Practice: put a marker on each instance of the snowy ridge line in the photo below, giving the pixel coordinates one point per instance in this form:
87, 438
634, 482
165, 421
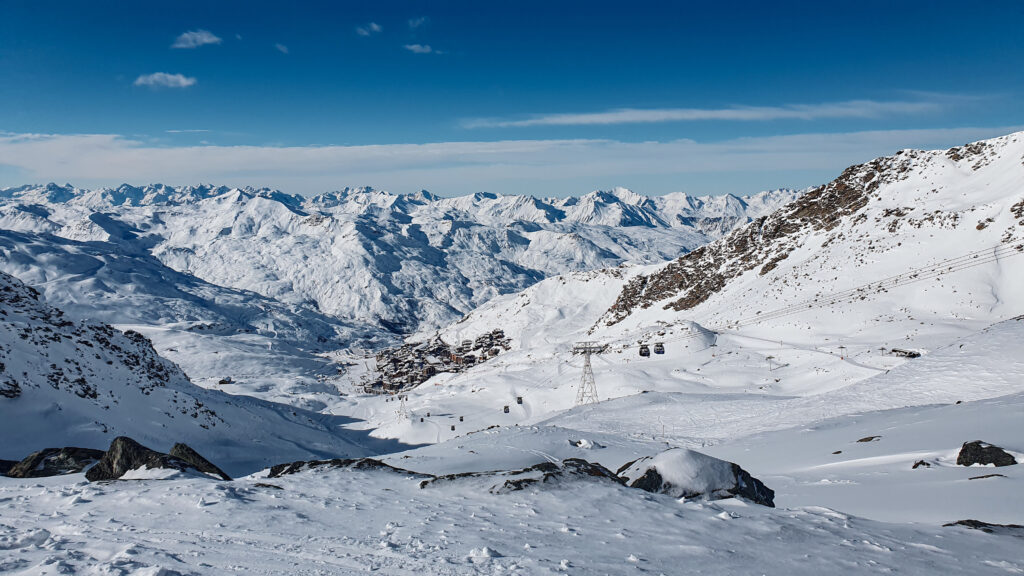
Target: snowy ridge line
988, 255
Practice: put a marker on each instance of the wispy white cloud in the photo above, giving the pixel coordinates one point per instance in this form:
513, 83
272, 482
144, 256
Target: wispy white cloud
418, 22
165, 80
195, 39
369, 29
848, 109
281, 48
536, 166
420, 49
186, 131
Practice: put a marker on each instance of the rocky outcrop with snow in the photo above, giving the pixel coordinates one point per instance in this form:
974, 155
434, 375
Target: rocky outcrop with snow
126, 456
889, 215
683, 473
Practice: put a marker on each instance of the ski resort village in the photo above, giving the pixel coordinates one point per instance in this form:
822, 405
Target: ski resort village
809, 361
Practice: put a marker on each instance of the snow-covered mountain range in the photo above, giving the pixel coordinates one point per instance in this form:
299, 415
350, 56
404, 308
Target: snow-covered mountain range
216, 276
843, 348
403, 262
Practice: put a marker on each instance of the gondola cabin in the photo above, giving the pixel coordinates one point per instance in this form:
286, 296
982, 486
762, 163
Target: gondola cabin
659, 348
645, 350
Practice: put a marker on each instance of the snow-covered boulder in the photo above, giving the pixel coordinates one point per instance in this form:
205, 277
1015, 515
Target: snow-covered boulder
683, 473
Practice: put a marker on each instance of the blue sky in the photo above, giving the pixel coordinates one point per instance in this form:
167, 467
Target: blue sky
545, 98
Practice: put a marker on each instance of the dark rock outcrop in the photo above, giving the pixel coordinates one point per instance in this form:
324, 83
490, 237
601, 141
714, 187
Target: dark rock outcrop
984, 476
354, 464
1009, 529
761, 244
126, 454
9, 388
185, 453
54, 462
6, 465
538, 475
979, 452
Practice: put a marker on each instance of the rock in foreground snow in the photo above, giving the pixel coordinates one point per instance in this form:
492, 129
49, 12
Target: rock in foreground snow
185, 453
543, 474
126, 455
683, 473
55, 461
979, 452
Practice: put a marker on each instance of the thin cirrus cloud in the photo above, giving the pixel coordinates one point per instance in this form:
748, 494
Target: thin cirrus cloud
195, 39
281, 48
369, 29
420, 49
165, 80
507, 166
848, 109
418, 22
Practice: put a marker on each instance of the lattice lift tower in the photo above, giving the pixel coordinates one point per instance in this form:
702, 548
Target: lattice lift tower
587, 394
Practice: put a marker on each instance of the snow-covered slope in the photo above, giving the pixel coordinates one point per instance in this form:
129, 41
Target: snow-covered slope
349, 521
265, 347
66, 382
403, 262
874, 223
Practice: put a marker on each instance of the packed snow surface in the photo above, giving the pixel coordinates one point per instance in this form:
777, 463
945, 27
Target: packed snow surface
351, 522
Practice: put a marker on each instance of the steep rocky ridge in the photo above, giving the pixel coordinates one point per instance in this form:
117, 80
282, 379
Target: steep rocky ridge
895, 196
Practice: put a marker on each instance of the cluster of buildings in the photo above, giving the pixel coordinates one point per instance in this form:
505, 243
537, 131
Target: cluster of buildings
409, 365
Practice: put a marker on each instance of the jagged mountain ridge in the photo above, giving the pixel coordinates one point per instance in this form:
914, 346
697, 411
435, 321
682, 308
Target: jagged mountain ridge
405, 262
68, 381
865, 216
